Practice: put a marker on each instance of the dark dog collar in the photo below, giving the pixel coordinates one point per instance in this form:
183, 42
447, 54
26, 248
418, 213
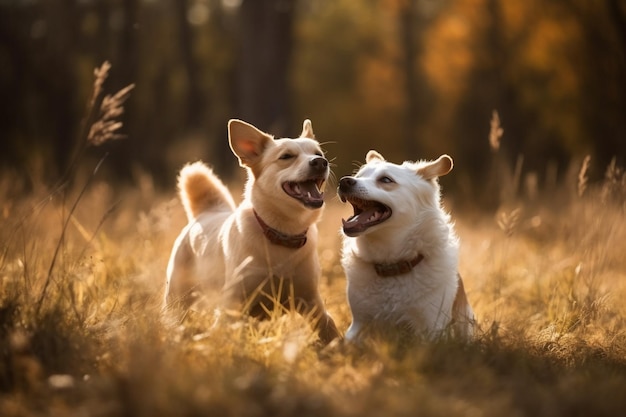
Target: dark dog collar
278, 238
398, 268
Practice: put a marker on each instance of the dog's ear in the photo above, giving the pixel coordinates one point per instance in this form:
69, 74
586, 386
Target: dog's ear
307, 130
440, 167
373, 156
247, 142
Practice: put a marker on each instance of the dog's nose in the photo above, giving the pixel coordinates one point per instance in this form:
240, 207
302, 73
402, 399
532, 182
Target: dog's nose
345, 183
318, 163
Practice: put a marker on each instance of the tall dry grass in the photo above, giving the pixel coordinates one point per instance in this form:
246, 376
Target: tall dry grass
87, 337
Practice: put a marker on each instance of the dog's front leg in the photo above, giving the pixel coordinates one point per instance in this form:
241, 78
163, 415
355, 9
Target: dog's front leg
352, 334
260, 299
322, 322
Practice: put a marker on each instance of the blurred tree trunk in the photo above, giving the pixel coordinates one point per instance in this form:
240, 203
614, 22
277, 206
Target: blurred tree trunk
129, 57
103, 34
500, 185
617, 13
61, 99
412, 22
264, 63
488, 90
125, 70
407, 25
223, 28
195, 102
603, 77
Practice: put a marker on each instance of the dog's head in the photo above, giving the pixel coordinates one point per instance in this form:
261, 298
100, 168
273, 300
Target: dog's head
383, 192
295, 167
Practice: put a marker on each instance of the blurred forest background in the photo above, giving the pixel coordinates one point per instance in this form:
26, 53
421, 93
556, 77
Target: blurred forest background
411, 78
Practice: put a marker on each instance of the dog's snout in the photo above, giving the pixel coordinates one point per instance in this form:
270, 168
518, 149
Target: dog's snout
345, 183
318, 163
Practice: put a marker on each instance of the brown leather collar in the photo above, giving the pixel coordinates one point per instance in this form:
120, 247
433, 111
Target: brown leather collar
397, 268
278, 238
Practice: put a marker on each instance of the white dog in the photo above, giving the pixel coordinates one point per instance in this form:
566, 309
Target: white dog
263, 251
400, 253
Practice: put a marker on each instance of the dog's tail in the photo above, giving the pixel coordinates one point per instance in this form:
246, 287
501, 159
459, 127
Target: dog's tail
200, 189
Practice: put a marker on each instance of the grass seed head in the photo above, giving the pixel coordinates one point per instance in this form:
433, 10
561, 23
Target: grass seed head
582, 176
495, 132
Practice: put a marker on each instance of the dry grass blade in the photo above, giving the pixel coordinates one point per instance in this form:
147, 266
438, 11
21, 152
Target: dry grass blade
61, 240
614, 186
495, 132
582, 176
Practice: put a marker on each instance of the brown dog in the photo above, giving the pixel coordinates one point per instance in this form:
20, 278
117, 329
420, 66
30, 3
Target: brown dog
264, 250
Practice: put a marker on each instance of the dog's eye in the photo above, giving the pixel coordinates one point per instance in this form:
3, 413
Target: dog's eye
385, 180
319, 154
286, 155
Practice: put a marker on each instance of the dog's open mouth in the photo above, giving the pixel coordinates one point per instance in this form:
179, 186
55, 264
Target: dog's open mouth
366, 214
309, 192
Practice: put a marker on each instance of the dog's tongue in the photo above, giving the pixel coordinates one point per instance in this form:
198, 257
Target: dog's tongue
361, 221
305, 191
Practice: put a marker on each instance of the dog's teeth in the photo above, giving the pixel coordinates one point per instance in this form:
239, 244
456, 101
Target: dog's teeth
296, 188
376, 215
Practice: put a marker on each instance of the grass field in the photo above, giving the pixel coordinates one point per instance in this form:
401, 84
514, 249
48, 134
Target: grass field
82, 334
